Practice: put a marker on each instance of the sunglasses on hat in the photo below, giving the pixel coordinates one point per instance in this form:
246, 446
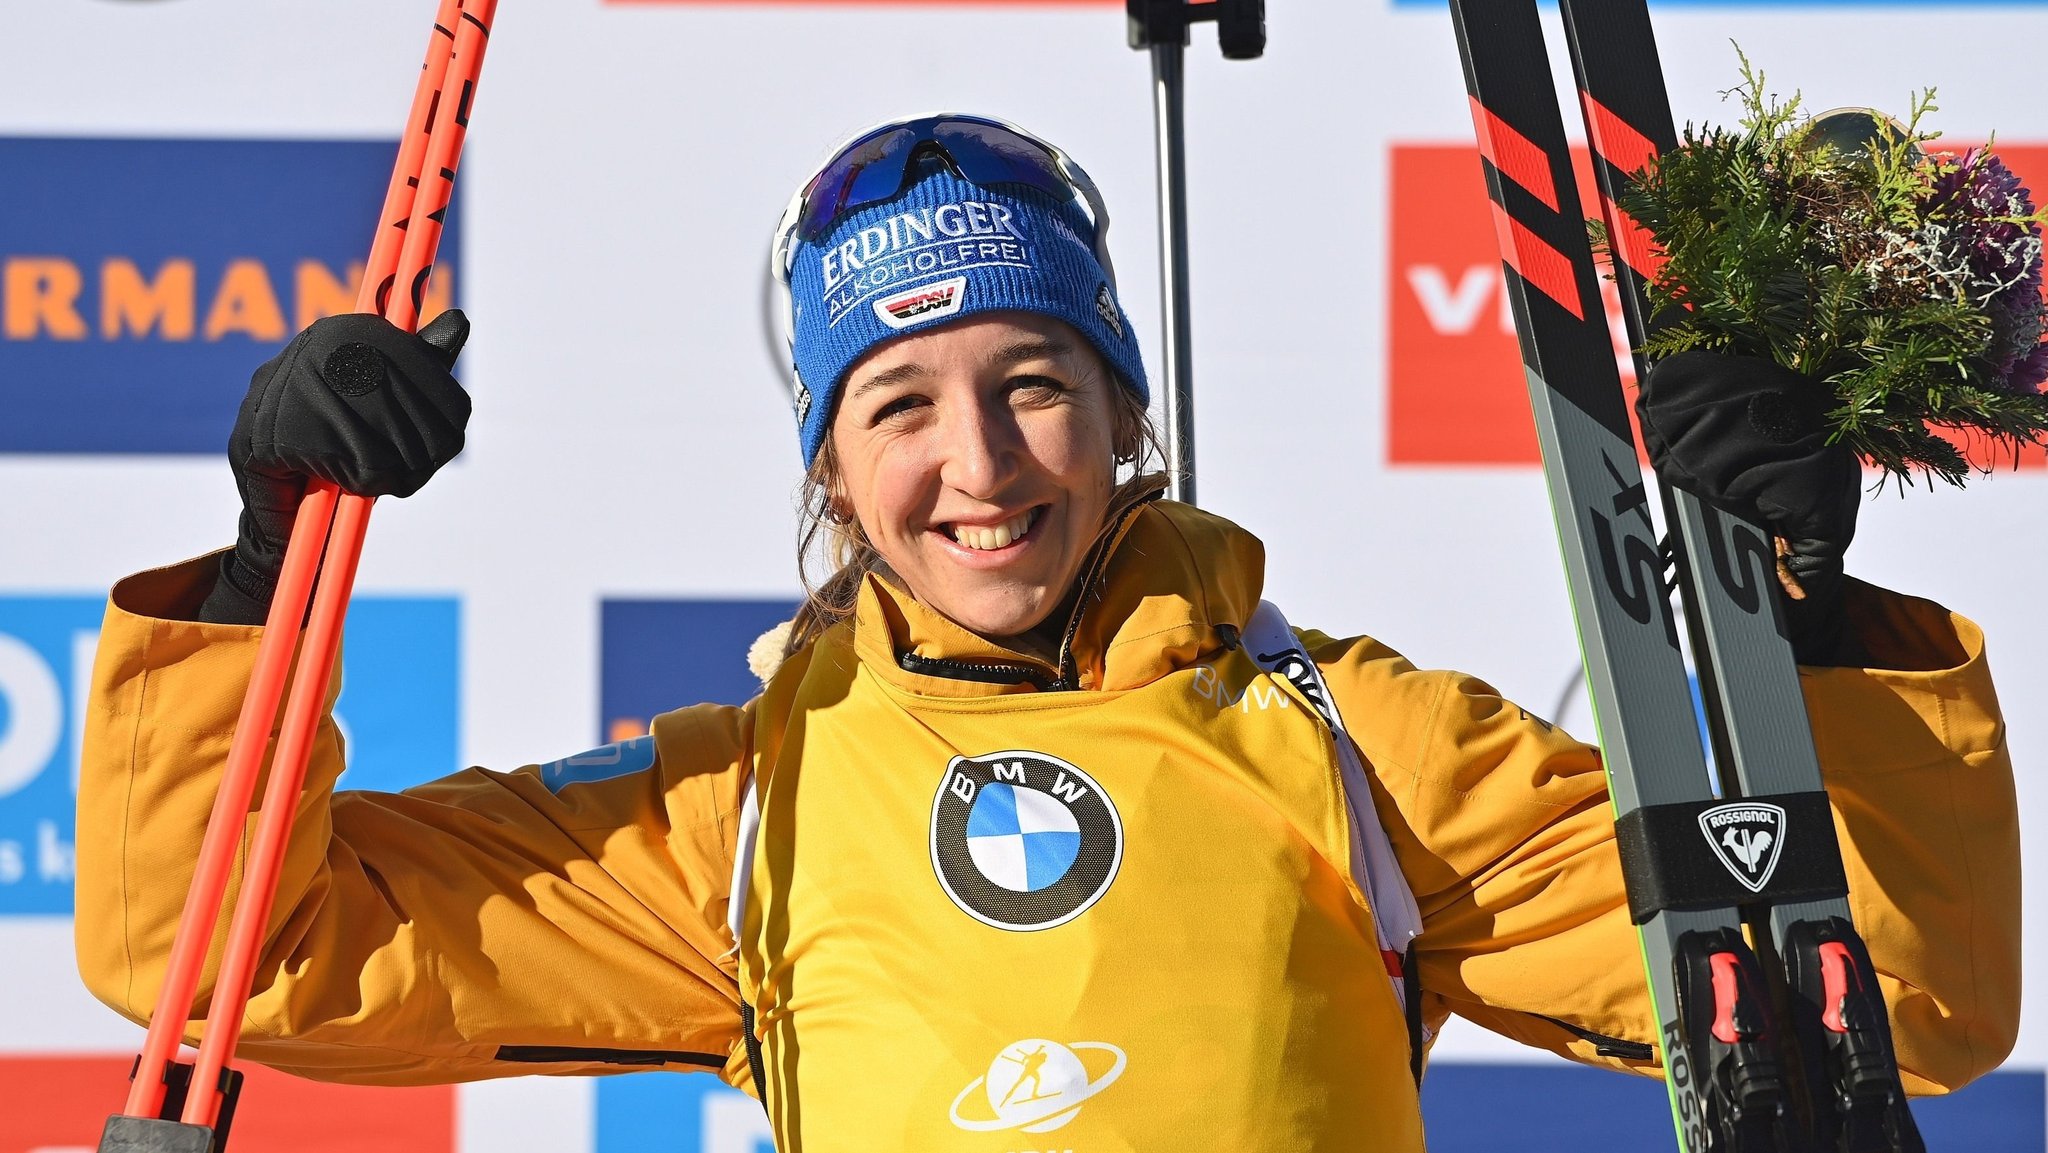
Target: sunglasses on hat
874, 166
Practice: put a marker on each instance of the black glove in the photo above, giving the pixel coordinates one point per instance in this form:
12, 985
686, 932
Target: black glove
352, 400
1749, 436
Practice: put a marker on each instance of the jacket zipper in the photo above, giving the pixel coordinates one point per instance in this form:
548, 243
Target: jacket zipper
566, 1054
1604, 1045
981, 672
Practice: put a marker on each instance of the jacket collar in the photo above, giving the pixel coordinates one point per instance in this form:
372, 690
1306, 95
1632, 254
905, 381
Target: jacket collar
1171, 585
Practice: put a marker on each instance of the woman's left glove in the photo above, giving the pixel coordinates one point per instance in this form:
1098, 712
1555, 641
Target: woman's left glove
353, 400
1749, 436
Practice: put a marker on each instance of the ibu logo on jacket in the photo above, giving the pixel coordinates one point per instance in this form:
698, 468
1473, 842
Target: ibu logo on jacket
1022, 840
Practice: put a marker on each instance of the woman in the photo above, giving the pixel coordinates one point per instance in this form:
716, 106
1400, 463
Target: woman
1021, 836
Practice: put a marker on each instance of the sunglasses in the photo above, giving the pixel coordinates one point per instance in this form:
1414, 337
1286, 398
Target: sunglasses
874, 167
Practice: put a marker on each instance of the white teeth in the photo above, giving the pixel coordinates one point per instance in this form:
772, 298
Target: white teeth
982, 539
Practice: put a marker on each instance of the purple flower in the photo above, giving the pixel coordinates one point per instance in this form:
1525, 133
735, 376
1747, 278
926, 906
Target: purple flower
2031, 372
1980, 205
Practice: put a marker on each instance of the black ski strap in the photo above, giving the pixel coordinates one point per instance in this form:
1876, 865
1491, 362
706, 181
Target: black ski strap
1711, 854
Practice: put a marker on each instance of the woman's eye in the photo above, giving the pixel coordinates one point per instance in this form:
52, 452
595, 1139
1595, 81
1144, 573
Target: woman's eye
1037, 387
897, 407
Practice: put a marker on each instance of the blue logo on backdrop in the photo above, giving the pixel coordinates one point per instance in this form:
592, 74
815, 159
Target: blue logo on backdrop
659, 655
679, 1112
1530, 1108
142, 281
397, 711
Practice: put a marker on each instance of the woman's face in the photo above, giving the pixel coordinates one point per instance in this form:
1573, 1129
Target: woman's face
979, 459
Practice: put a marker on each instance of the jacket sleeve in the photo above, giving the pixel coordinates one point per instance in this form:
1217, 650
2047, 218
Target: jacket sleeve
1504, 830
486, 924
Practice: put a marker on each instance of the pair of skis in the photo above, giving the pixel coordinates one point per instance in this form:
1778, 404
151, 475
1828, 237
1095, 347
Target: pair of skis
1777, 1041
172, 1106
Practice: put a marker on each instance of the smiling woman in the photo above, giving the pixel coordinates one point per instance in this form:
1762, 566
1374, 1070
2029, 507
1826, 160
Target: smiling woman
984, 456
1046, 821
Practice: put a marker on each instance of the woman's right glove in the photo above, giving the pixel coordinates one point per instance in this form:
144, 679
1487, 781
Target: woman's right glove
353, 400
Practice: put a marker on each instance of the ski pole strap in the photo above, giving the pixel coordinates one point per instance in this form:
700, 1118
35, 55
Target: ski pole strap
1710, 854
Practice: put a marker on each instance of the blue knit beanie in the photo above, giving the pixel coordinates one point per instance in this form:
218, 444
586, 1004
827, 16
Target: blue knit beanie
945, 248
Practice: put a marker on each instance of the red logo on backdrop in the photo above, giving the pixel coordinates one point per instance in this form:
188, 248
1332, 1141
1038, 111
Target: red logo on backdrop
61, 1103
903, 3
1456, 393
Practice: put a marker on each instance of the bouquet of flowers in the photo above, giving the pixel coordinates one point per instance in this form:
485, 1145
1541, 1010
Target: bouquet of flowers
1904, 281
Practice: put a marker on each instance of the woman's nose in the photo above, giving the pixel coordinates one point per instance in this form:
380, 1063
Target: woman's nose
980, 452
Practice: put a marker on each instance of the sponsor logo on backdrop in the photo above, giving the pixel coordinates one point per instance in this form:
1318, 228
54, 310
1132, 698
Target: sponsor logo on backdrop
677, 1112
132, 311
397, 711
58, 1105
998, 4
1456, 390
1036, 1086
658, 655
1747, 3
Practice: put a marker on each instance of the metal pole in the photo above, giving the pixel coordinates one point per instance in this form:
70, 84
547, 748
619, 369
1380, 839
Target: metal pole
1167, 58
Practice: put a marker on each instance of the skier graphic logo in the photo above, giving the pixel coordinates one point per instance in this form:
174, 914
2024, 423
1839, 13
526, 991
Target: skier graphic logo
1036, 1086
1747, 836
1023, 841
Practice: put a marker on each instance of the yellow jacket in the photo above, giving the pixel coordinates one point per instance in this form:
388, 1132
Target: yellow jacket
913, 944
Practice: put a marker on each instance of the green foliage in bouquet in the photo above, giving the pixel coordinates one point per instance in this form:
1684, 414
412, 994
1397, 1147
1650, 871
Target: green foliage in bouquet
1904, 281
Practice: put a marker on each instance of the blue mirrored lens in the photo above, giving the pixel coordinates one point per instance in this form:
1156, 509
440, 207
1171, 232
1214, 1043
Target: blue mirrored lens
872, 169
872, 161
991, 154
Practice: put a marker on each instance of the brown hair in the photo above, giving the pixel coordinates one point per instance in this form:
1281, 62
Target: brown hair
823, 530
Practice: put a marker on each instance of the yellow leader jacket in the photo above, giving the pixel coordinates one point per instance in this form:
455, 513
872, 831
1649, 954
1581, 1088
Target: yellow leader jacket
996, 904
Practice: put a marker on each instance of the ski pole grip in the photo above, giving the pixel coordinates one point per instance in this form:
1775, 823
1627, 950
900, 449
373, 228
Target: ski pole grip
1711, 854
1240, 24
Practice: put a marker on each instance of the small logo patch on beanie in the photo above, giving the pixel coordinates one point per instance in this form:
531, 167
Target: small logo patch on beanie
801, 401
1105, 307
925, 302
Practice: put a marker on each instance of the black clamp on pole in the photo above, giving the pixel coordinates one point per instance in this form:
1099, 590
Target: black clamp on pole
1162, 27
164, 1133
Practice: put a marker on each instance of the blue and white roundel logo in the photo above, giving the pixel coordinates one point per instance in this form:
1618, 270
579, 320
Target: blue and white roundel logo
1022, 840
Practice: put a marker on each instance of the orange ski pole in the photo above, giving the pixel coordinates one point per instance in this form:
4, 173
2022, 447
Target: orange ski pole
288, 607
306, 704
